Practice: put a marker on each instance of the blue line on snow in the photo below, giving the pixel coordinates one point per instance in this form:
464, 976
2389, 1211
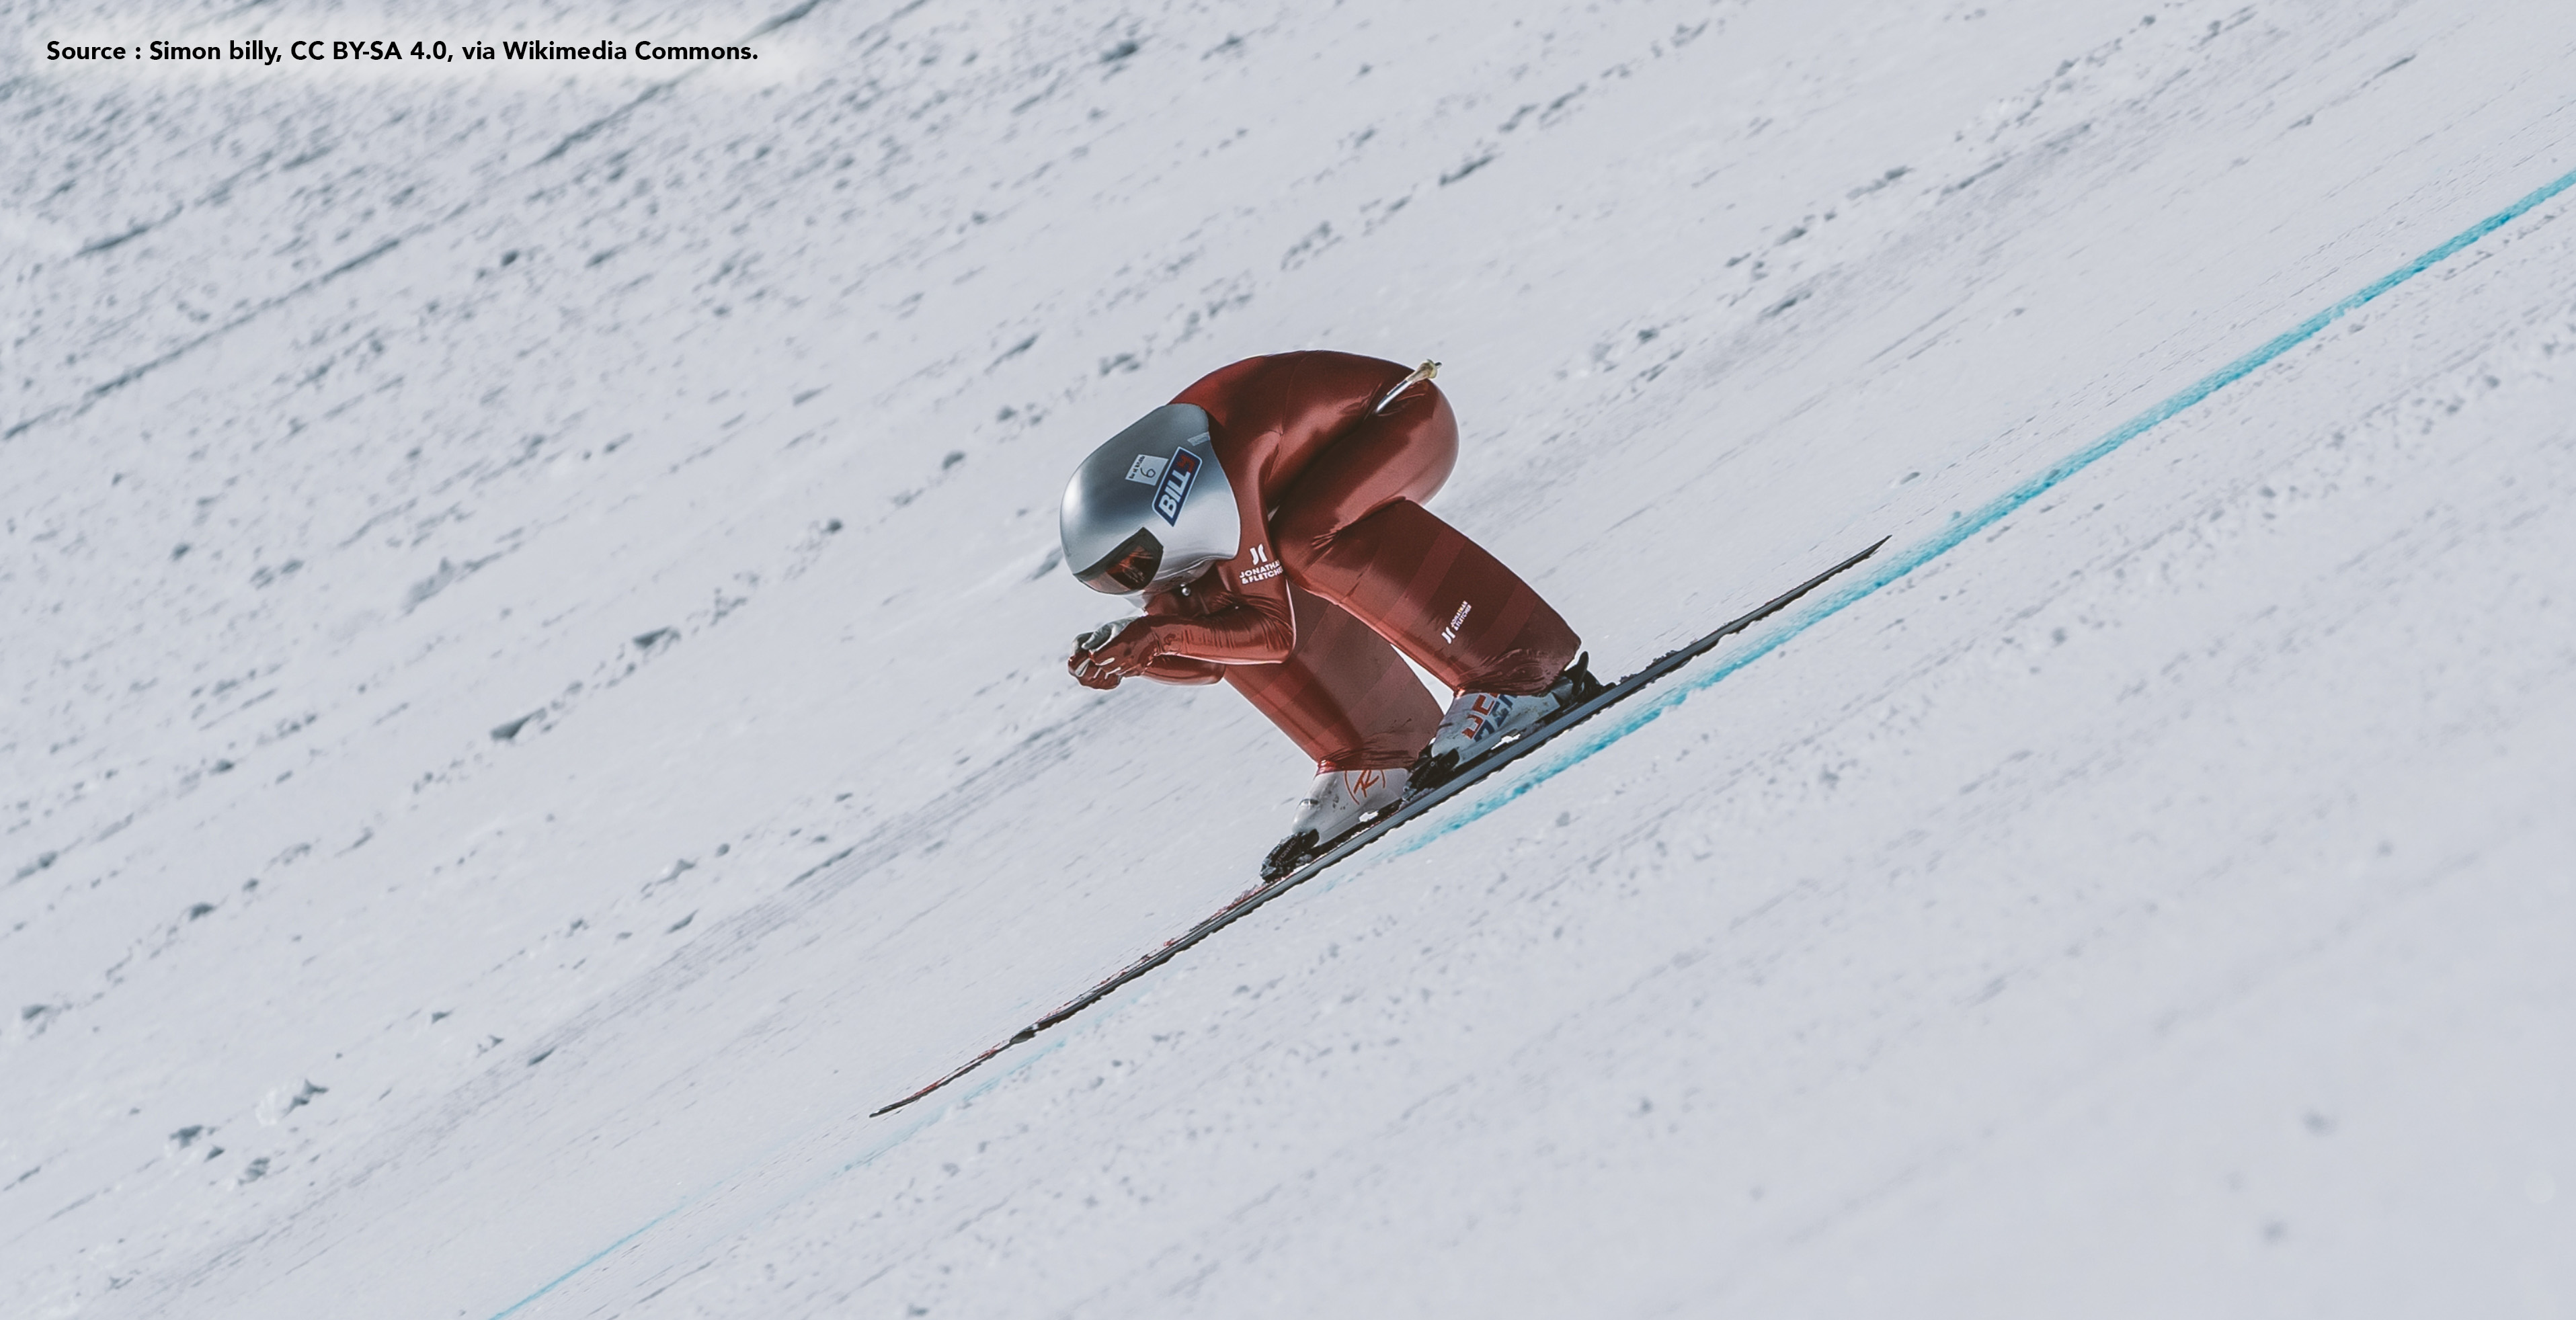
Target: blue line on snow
594, 1258
1587, 742
868, 1155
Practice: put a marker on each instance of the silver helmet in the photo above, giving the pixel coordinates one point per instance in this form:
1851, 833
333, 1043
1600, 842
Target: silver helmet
1151, 508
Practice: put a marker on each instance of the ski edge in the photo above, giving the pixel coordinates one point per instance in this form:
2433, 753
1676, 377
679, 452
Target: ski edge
1467, 776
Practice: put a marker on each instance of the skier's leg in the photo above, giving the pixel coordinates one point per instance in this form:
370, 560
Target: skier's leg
1353, 530
1344, 696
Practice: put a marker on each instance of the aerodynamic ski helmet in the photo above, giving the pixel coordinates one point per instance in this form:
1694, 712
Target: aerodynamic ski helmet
1151, 508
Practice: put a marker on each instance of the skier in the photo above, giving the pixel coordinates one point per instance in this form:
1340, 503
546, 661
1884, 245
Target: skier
1269, 522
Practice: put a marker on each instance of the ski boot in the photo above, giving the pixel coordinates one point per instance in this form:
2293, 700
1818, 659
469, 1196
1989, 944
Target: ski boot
1479, 722
1341, 801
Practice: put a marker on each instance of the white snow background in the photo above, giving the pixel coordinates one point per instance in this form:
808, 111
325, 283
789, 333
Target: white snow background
533, 666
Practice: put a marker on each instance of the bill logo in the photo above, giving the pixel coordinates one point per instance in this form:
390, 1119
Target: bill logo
1178, 476
1456, 621
1147, 470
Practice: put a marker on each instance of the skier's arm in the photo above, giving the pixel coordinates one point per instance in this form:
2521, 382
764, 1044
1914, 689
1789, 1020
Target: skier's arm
1091, 668
1243, 630
1095, 671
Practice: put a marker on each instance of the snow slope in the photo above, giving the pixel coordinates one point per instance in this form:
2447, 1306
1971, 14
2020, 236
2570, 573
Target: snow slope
536, 699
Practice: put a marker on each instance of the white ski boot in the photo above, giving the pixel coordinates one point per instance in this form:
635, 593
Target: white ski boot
1336, 805
1479, 722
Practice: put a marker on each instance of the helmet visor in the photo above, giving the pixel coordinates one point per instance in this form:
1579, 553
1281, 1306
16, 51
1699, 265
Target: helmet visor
1127, 569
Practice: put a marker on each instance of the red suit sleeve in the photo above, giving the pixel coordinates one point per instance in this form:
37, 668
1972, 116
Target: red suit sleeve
1224, 619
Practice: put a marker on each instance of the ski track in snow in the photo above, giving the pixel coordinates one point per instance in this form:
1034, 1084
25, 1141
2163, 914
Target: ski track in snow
536, 704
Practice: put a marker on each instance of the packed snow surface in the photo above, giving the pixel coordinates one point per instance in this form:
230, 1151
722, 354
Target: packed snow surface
535, 691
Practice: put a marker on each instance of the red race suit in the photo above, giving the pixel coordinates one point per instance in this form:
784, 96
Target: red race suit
1339, 560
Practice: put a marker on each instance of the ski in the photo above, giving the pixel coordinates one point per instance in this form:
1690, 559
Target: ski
1413, 806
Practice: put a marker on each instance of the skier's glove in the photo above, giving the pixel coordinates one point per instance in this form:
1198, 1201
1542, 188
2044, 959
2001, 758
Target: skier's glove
1091, 667
1128, 646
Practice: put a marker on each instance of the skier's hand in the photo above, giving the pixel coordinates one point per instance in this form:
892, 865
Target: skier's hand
1100, 661
1085, 665
1080, 667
